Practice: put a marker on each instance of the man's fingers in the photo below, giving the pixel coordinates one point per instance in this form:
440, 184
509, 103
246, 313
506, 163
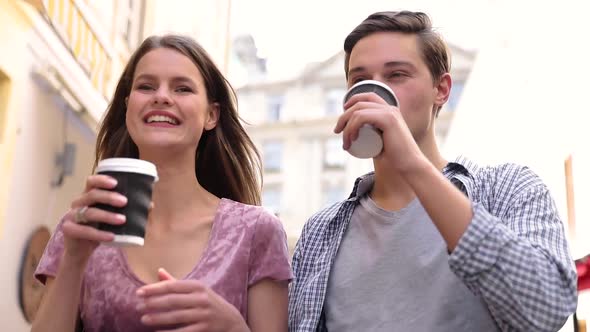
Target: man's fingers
365, 96
351, 132
351, 109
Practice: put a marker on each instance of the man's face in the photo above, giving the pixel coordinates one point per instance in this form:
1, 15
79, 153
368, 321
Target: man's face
395, 59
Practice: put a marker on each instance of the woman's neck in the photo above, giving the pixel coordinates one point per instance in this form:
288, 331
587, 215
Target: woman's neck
178, 193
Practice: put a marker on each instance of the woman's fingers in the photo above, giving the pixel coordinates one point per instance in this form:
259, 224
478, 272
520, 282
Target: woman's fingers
170, 286
183, 316
100, 181
77, 231
196, 327
100, 196
170, 302
164, 275
98, 215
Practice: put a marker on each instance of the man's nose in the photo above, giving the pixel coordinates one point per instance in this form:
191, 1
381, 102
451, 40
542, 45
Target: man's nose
379, 77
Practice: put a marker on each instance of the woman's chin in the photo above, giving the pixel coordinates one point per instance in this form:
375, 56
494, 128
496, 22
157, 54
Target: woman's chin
166, 148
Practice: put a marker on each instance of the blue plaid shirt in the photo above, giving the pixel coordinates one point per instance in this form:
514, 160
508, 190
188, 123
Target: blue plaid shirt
514, 254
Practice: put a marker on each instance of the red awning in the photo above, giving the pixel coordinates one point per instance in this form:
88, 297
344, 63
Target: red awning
583, 268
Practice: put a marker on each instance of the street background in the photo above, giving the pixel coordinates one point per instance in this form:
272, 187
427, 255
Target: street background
520, 94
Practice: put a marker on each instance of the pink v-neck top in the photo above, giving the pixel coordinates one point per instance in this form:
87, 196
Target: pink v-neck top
247, 244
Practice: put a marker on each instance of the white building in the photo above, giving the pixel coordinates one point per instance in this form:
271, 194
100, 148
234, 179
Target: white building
527, 102
292, 120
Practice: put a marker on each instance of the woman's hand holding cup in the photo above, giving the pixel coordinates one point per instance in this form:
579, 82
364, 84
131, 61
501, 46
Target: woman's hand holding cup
81, 236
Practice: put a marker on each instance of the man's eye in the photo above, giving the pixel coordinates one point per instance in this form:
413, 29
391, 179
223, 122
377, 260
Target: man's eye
396, 74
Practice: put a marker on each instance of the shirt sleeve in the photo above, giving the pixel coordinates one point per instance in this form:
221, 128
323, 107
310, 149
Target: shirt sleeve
269, 256
49, 262
519, 263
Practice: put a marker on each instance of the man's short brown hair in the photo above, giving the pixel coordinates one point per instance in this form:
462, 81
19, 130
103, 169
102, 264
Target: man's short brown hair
433, 49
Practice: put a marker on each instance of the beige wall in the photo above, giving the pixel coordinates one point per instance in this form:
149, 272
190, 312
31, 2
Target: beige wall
31, 138
12, 32
33, 123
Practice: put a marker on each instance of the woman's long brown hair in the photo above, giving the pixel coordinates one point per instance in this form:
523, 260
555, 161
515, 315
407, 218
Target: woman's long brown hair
227, 162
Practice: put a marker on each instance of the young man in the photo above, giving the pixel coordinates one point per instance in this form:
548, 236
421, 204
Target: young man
424, 244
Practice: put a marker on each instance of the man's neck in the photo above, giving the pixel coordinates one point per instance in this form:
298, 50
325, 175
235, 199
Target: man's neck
390, 190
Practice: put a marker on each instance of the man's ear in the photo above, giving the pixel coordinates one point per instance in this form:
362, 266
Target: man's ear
126, 101
212, 116
443, 89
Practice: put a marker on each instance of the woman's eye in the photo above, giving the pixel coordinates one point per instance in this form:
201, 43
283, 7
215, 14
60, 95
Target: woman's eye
184, 89
144, 87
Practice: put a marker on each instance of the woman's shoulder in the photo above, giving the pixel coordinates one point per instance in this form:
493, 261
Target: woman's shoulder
253, 215
231, 207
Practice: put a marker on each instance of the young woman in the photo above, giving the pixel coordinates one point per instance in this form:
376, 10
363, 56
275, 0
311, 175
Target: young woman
212, 259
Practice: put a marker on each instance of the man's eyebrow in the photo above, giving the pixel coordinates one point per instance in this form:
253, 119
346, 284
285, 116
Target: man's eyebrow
361, 69
356, 70
399, 64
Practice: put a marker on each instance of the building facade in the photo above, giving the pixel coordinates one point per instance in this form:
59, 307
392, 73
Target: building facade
292, 122
58, 67
60, 62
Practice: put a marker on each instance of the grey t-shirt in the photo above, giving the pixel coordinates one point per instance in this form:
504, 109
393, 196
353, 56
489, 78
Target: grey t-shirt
391, 273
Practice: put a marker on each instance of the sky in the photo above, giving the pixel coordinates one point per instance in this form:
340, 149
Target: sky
292, 33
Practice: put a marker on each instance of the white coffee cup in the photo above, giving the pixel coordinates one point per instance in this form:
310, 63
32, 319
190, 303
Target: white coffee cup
369, 143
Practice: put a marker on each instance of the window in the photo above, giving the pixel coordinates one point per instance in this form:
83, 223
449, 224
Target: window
129, 26
274, 108
456, 92
4, 91
272, 152
271, 198
334, 155
334, 98
332, 194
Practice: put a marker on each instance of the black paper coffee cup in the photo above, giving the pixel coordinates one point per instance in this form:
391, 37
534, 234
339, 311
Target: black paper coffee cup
135, 180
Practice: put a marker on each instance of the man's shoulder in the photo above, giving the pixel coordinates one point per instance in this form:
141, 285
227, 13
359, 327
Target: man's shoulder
503, 177
325, 215
510, 173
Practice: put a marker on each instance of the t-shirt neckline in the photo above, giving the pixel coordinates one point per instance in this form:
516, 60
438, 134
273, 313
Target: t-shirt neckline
206, 252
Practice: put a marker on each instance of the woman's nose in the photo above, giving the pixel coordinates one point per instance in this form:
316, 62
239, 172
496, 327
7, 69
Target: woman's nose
162, 97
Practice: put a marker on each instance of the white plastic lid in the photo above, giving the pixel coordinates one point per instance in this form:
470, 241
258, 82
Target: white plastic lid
363, 82
130, 165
